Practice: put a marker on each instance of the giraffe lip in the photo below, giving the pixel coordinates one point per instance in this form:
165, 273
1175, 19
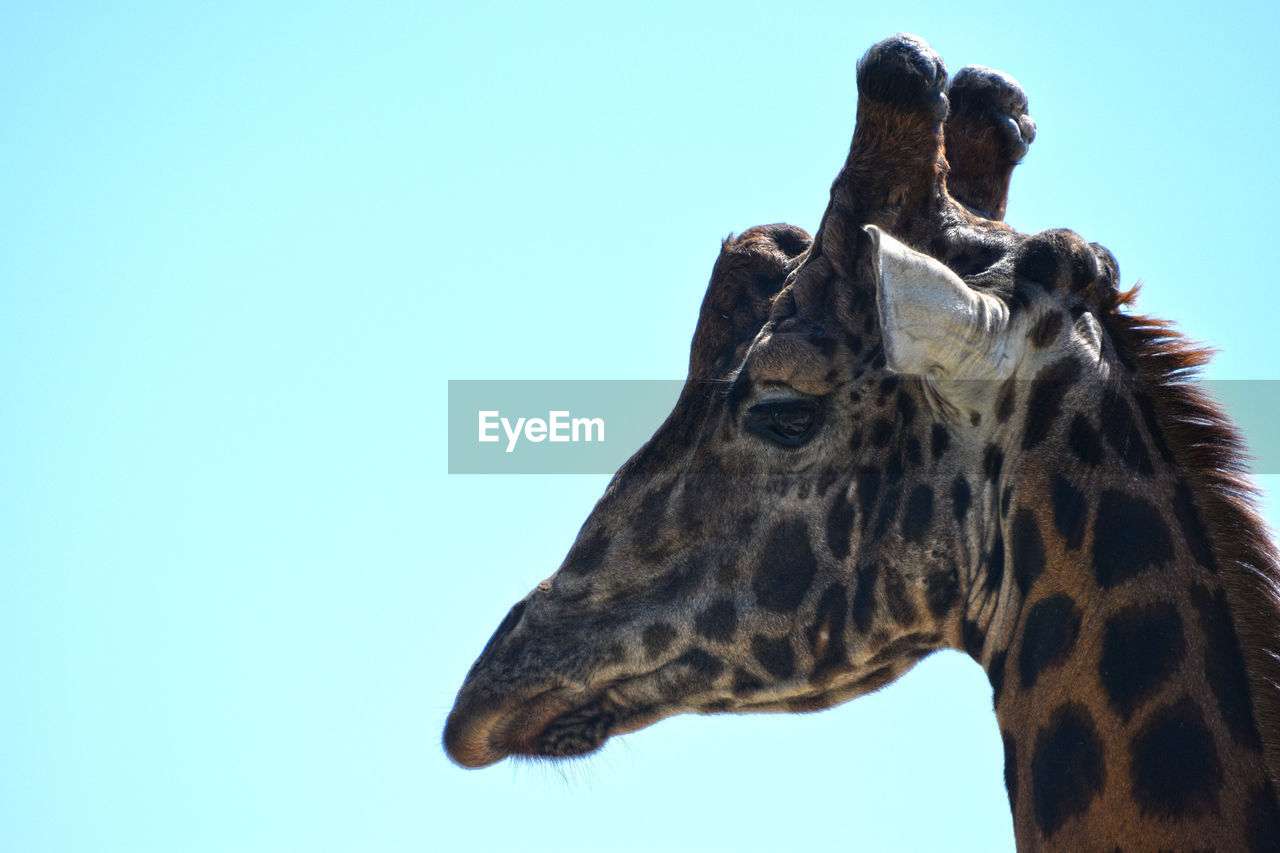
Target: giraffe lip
554, 718
578, 730
548, 722
466, 740
479, 733
583, 726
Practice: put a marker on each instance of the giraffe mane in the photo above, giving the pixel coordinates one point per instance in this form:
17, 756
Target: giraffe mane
1215, 460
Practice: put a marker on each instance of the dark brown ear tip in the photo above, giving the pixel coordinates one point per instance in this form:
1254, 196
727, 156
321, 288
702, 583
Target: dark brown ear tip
791, 240
771, 246
904, 71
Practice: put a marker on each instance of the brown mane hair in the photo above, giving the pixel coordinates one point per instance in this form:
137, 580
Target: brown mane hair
1214, 460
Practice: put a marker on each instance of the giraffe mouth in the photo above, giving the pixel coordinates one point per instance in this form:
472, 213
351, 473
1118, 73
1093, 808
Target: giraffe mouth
547, 722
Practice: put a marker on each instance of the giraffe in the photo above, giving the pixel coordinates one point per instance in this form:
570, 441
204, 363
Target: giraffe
920, 429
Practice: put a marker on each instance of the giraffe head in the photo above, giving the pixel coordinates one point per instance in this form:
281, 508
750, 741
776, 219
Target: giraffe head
814, 515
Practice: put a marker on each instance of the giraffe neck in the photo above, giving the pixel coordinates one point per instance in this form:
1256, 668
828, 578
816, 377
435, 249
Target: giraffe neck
1130, 723
1113, 643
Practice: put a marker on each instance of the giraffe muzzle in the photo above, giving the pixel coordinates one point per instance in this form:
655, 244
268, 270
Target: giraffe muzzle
482, 730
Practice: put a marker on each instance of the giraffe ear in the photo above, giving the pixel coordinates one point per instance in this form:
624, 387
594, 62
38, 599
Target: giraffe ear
933, 323
750, 271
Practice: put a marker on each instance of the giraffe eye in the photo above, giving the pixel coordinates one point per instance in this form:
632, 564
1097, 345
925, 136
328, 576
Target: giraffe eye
788, 423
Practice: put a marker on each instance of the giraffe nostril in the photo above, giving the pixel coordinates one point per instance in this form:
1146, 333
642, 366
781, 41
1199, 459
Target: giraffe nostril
510, 621
508, 624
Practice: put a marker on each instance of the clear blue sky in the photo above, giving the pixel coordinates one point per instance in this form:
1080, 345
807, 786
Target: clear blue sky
242, 248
